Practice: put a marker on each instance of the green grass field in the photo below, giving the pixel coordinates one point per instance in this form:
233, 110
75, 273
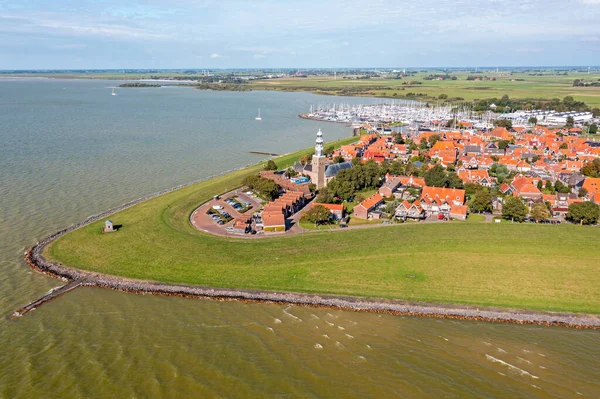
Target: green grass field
507, 265
534, 87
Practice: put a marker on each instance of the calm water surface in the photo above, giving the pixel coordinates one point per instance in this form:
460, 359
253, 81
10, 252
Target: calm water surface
69, 150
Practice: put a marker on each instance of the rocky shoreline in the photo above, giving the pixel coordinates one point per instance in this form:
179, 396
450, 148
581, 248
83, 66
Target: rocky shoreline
37, 262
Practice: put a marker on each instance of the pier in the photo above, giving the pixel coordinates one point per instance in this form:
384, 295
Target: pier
264, 153
46, 298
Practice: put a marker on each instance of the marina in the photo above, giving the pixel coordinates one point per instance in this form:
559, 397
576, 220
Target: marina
417, 115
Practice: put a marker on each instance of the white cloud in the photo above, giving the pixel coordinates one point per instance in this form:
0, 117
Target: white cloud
590, 2
258, 56
215, 55
345, 43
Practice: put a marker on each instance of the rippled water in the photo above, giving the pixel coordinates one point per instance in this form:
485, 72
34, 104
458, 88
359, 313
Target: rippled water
68, 150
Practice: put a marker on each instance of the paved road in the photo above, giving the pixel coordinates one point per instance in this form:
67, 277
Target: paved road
203, 222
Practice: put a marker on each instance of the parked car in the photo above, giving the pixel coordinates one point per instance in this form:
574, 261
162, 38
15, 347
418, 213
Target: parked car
220, 222
229, 229
217, 207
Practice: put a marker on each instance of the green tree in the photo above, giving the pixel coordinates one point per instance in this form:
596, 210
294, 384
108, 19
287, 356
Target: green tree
338, 159
318, 214
570, 121
532, 120
443, 96
514, 209
503, 144
390, 207
396, 168
436, 177
433, 139
290, 172
453, 181
505, 123
481, 202
564, 146
539, 212
500, 172
583, 212
582, 192
540, 185
271, 165
561, 188
593, 129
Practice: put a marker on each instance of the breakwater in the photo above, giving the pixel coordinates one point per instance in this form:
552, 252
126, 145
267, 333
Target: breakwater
37, 262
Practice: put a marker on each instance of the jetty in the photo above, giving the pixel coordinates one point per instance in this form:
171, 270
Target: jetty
264, 153
54, 293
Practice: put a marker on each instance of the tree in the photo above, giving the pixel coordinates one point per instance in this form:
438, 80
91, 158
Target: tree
500, 172
305, 159
338, 159
453, 181
318, 214
290, 172
532, 120
390, 207
271, 165
561, 188
570, 121
583, 212
539, 212
481, 202
564, 146
503, 144
593, 129
396, 168
582, 192
540, 185
443, 96
328, 150
265, 188
433, 139
436, 177
591, 169
503, 123
514, 209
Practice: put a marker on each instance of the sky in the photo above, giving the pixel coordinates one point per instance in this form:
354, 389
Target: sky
115, 34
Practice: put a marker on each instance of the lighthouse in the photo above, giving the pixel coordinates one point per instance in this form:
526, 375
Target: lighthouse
318, 162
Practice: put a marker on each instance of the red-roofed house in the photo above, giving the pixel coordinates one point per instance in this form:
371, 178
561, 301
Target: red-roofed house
362, 210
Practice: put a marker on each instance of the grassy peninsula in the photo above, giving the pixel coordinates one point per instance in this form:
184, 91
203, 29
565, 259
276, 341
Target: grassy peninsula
536, 267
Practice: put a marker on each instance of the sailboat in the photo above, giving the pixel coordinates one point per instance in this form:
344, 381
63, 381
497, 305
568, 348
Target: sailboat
258, 118
113, 92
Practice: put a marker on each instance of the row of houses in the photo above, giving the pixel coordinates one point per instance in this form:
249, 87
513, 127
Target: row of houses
448, 203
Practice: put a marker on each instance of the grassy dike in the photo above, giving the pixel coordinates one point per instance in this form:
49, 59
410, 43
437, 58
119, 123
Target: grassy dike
535, 267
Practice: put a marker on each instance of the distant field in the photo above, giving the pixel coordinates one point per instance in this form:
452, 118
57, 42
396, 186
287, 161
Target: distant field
534, 87
525, 266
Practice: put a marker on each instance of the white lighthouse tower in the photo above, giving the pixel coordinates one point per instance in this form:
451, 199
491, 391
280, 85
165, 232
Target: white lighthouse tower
318, 162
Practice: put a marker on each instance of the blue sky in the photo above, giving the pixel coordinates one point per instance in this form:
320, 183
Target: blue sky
303, 33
